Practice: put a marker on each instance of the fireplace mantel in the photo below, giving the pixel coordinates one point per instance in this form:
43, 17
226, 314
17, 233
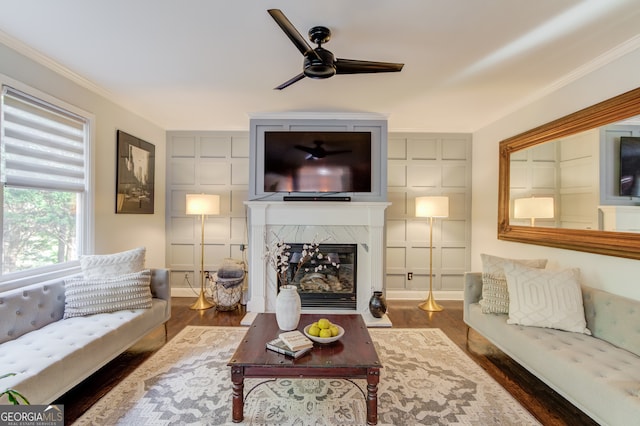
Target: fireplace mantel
362, 223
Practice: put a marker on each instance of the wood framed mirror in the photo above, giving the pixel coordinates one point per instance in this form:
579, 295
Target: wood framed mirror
612, 243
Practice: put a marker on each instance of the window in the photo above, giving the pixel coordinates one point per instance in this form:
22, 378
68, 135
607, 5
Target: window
43, 170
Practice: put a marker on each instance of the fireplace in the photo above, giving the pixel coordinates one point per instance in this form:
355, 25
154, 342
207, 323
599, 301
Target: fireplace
326, 283
359, 224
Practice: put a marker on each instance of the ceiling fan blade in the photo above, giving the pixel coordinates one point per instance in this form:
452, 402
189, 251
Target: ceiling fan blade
290, 82
290, 31
353, 66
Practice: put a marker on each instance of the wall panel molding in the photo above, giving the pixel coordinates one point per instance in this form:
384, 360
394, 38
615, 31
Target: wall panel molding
418, 164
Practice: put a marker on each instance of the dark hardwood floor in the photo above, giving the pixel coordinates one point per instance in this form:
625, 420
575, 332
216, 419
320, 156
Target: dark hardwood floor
545, 404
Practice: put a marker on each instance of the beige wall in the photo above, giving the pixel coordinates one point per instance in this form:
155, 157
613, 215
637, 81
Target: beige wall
112, 232
613, 274
118, 232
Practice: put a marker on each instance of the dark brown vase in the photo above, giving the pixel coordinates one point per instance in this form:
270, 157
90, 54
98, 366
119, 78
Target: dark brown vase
377, 304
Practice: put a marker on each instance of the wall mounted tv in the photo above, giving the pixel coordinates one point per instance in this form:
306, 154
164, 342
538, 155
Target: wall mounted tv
317, 162
630, 166
309, 158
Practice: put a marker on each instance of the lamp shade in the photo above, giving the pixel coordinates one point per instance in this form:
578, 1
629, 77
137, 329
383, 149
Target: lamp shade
203, 204
432, 206
533, 207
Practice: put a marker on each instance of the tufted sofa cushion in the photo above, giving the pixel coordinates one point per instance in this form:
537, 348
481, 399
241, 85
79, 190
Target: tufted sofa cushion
613, 318
594, 372
599, 378
30, 308
50, 355
48, 361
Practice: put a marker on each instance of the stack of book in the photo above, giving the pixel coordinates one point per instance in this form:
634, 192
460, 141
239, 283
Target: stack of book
292, 343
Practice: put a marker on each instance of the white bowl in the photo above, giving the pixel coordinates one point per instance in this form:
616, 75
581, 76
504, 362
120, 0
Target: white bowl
324, 339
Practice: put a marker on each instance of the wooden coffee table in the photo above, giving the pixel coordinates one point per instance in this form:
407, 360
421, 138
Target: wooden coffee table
352, 357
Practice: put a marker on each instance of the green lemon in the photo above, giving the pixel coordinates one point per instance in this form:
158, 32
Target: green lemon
314, 330
324, 323
325, 332
334, 330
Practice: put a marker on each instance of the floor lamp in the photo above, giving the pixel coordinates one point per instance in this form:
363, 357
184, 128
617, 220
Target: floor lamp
533, 208
202, 204
431, 207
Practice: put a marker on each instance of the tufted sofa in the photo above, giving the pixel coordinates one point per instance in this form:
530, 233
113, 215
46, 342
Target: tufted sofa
599, 374
49, 354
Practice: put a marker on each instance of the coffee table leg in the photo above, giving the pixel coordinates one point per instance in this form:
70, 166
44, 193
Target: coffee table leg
237, 378
373, 378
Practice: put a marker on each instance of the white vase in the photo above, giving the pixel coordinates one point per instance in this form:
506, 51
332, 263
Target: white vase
288, 308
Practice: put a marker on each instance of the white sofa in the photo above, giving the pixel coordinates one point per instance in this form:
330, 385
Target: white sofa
599, 374
49, 354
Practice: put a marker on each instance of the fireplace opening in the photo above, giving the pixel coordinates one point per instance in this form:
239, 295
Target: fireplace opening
331, 286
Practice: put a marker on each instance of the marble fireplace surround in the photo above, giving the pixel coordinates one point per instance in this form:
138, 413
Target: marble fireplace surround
361, 223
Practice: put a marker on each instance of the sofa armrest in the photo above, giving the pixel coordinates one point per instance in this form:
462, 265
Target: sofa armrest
472, 290
160, 287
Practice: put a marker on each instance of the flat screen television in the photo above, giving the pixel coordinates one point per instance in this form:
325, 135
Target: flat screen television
630, 166
293, 157
317, 162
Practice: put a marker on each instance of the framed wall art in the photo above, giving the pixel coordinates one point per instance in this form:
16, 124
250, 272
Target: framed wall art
135, 175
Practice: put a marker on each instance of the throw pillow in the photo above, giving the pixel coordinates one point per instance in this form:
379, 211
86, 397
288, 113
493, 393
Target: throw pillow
495, 295
107, 265
545, 298
88, 296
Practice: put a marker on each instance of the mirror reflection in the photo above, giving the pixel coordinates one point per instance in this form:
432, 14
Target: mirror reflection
588, 180
583, 178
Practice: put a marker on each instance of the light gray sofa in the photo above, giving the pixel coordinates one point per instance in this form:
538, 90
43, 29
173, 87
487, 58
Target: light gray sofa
599, 374
49, 354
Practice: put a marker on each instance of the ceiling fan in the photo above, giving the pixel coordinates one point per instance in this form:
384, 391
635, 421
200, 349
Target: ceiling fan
319, 62
317, 152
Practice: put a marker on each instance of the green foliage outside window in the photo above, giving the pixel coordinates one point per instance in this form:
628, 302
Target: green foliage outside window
39, 228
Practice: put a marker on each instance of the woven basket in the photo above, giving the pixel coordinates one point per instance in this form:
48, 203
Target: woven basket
226, 292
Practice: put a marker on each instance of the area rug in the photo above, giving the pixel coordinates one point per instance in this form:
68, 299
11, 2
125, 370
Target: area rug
425, 380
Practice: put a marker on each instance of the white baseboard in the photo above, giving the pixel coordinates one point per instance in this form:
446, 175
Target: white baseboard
390, 294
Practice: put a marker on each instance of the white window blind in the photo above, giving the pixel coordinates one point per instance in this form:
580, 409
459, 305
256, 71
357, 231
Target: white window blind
42, 145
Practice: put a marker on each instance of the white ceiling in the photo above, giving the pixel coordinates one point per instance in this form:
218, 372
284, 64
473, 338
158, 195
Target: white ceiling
210, 64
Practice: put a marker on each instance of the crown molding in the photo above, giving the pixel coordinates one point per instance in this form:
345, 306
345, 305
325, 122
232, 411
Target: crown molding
606, 58
51, 64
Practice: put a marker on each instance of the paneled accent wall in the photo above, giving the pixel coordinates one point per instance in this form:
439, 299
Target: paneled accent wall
421, 164
579, 181
212, 163
418, 164
566, 169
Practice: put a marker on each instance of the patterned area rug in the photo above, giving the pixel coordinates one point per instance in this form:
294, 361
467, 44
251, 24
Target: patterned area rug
425, 380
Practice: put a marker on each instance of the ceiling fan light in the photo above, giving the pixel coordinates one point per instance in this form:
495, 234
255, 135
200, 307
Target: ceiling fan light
319, 71
320, 65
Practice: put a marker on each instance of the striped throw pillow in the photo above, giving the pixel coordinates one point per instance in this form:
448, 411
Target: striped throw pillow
88, 296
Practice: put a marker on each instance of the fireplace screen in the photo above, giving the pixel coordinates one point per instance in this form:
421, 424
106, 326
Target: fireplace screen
330, 287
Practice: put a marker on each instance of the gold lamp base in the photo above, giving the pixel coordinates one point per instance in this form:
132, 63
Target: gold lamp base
430, 304
202, 303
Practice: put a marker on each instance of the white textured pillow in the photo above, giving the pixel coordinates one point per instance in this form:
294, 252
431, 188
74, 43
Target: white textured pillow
88, 296
108, 265
545, 298
495, 295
